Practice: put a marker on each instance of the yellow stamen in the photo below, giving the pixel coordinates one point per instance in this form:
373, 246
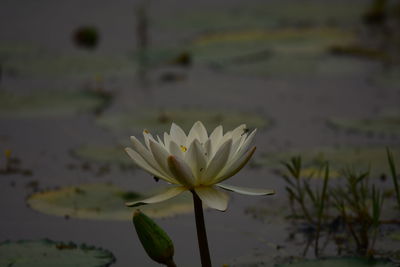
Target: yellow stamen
183, 148
146, 132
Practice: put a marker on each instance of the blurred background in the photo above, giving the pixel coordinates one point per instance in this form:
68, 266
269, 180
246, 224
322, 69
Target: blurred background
318, 78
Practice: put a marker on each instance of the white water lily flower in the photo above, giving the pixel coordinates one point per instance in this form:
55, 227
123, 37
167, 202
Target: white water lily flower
196, 162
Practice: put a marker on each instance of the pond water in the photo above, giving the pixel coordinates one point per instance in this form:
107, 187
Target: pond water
67, 112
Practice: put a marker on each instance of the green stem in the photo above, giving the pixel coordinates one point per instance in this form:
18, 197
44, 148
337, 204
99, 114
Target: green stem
321, 208
170, 263
301, 201
201, 231
394, 175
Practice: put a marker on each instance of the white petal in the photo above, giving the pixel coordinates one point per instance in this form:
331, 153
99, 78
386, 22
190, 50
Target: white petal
167, 139
145, 166
164, 195
247, 191
248, 141
175, 150
196, 159
216, 136
146, 154
147, 137
160, 154
225, 138
178, 135
213, 198
243, 148
199, 132
235, 166
235, 147
160, 141
238, 132
207, 147
181, 171
217, 163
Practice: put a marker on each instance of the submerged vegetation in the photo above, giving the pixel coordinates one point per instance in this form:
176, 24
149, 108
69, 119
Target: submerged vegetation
348, 213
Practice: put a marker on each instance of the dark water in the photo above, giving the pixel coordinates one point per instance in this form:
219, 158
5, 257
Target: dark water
297, 104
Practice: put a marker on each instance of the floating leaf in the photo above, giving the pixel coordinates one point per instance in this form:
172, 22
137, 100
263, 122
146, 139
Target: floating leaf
102, 202
105, 154
279, 52
276, 52
387, 123
395, 235
27, 59
47, 253
273, 14
388, 77
342, 262
361, 158
159, 122
48, 103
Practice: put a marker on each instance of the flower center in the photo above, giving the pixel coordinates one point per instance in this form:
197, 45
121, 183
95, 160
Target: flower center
183, 148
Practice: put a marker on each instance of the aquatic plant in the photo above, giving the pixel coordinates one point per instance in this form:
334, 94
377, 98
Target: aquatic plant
157, 244
352, 207
306, 197
353, 204
394, 175
198, 163
46, 252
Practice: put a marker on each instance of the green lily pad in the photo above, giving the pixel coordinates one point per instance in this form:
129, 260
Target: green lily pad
278, 52
47, 253
105, 154
273, 14
275, 52
29, 59
159, 122
48, 103
103, 202
362, 158
342, 262
281, 38
388, 77
387, 123
395, 235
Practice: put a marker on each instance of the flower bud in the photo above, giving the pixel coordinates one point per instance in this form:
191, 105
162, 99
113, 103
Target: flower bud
155, 241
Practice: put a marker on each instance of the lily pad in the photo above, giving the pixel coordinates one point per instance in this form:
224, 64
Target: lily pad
159, 122
342, 262
272, 15
281, 38
105, 154
48, 103
279, 52
388, 77
387, 123
361, 158
29, 59
275, 52
103, 202
395, 235
47, 253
